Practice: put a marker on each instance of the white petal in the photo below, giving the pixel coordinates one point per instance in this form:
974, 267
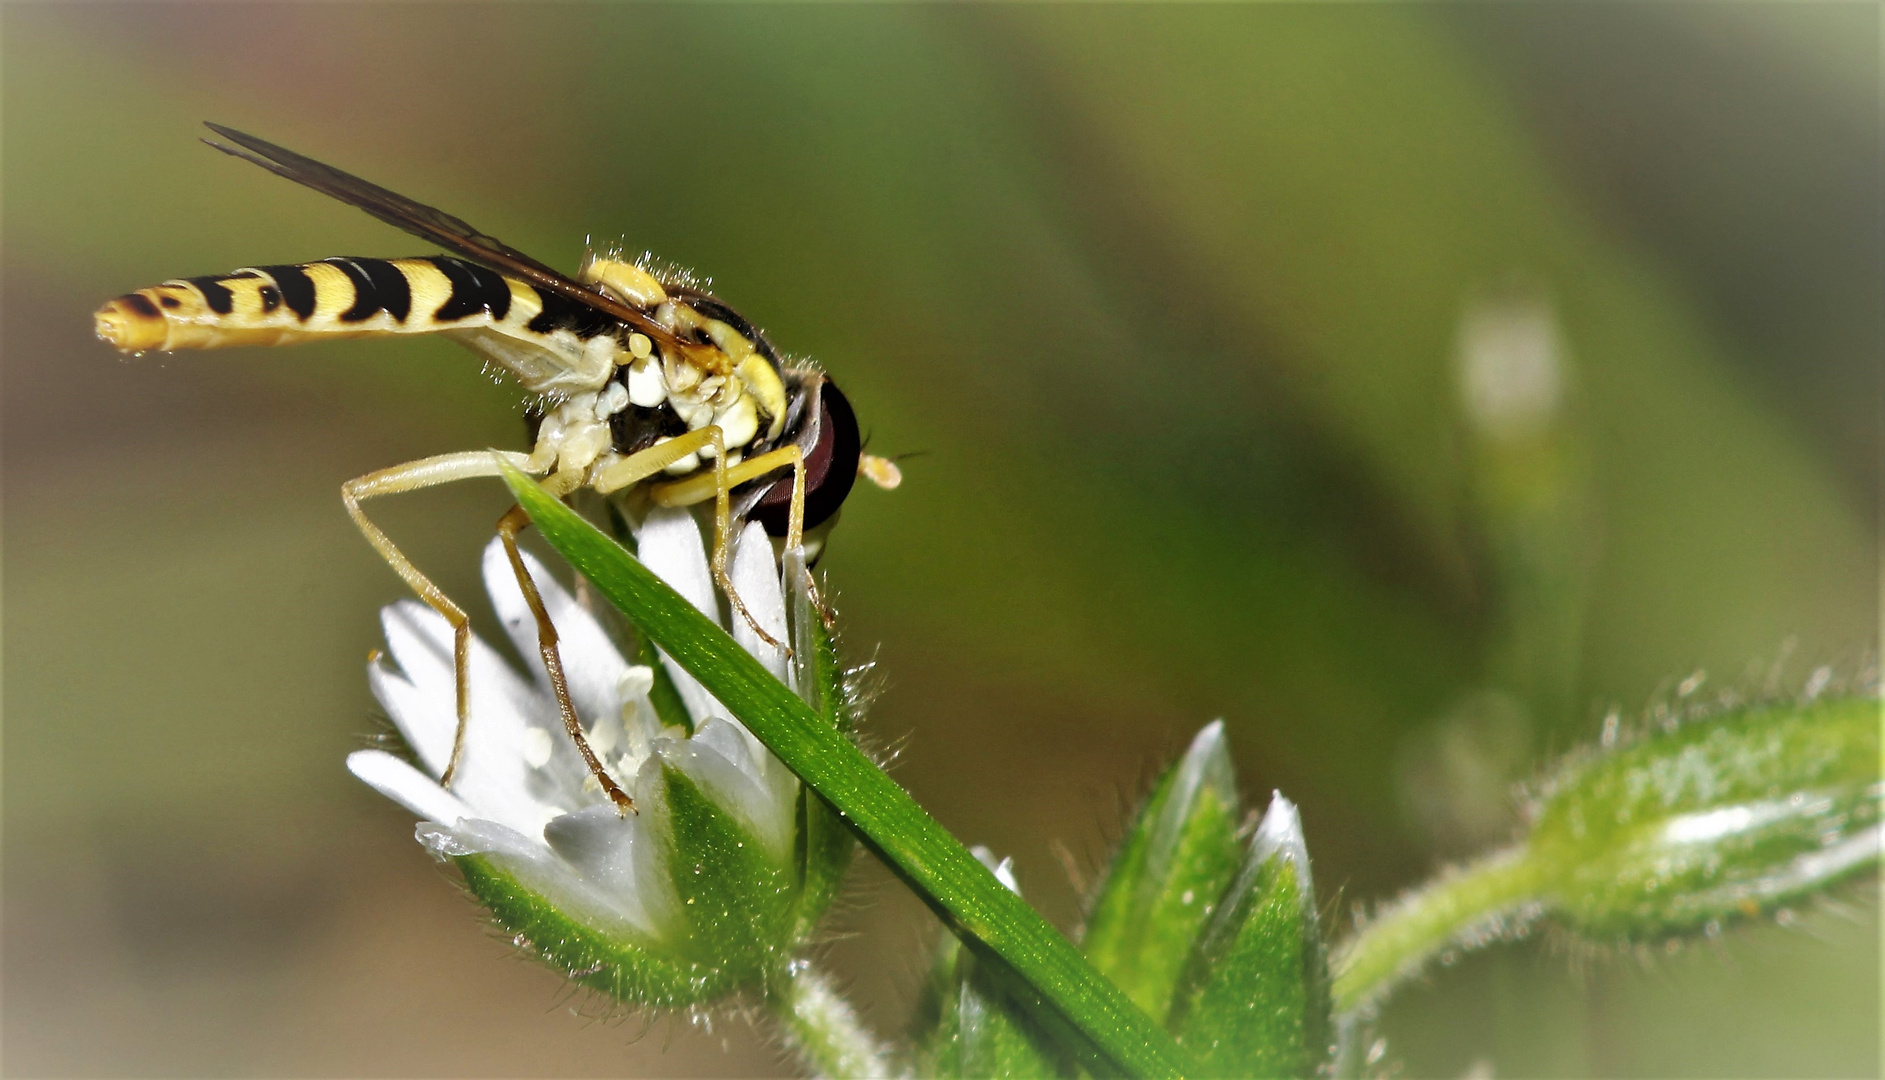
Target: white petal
407, 786
756, 578
670, 544
796, 578
494, 778
420, 641
483, 835
591, 663
416, 689
1003, 870
601, 846
426, 723
543, 872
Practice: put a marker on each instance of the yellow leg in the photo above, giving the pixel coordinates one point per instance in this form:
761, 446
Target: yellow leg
412, 476
639, 466
695, 489
508, 527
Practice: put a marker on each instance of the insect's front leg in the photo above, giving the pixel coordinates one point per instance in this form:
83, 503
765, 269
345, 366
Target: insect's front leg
718, 484
412, 476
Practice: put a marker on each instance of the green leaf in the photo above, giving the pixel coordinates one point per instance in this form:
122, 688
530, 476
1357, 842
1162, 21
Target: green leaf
1173, 865
972, 1027
1254, 999
958, 888
1718, 820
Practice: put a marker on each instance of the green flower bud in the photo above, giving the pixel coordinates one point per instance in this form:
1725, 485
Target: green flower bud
1254, 997
1173, 866
1715, 820
1697, 824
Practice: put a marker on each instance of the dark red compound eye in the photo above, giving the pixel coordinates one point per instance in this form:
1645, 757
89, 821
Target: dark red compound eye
830, 468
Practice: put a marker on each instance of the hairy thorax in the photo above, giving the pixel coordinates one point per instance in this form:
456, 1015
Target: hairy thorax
643, 395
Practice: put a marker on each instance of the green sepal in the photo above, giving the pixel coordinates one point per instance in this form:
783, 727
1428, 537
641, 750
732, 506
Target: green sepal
826, 846
745, 914
627, 970
826, 849
1173, 865
1254, 997
817, 668
737, 901
1716, 820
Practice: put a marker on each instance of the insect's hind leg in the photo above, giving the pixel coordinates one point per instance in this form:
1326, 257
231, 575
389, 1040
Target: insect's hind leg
412, 476
508, 527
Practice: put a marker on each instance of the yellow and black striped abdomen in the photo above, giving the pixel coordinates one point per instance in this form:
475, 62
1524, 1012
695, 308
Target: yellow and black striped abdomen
339, 298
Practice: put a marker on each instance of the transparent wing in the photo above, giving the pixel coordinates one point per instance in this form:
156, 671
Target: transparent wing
454, 234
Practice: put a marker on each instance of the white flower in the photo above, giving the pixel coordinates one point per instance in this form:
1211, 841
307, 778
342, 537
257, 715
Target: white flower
522, 798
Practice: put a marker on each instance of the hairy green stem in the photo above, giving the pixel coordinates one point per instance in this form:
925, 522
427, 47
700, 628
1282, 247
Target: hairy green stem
822, 1028
1466, 907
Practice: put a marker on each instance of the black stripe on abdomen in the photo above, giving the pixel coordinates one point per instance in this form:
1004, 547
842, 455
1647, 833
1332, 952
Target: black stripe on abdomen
390, 286
141, 304
366, 298
475, 290
215, 294
377, 286
561, 313
297, 288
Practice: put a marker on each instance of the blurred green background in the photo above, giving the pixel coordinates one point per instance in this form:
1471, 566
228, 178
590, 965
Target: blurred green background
1406, 385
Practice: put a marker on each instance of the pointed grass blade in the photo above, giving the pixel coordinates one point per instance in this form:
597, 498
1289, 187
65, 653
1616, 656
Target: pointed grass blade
963, 892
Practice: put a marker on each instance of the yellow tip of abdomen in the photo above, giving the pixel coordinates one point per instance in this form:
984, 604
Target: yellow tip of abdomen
124, 324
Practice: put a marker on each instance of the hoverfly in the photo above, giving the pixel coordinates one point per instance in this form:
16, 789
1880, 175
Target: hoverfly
646, 385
